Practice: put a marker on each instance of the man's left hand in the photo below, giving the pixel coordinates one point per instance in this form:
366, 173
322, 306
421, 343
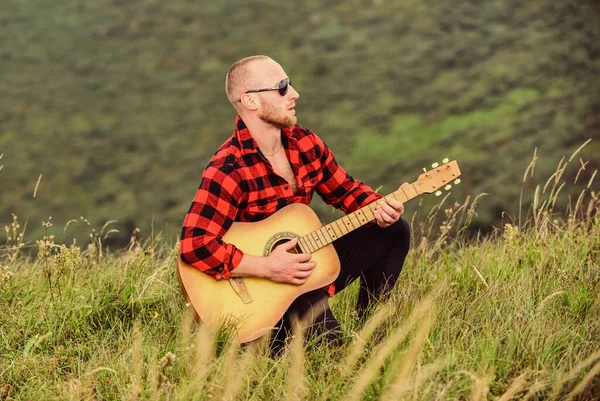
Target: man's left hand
389, 212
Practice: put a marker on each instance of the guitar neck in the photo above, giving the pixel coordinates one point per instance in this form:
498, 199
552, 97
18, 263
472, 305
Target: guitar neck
325, 235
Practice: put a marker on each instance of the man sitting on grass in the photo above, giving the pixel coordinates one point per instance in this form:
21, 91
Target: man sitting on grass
270, 162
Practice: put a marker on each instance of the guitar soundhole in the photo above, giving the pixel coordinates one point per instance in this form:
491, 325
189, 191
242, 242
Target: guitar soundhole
295, 249
279, 239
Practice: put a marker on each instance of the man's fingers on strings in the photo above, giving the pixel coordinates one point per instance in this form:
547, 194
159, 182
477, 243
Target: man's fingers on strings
393, 203
387, 212
393, 208
379, 219
389, 209
387, 218
383, 218
290, 244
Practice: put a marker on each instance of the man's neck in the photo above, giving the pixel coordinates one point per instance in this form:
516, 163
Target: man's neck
267, 136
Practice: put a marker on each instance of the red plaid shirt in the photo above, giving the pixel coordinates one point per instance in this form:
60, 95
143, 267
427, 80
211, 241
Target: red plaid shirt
239, 184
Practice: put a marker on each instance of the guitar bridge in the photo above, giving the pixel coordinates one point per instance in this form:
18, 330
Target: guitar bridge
240, 288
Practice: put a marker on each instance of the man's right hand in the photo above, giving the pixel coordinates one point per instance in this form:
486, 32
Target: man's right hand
285, 267
280, 266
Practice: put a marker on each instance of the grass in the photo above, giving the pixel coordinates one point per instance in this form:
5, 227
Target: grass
514, 315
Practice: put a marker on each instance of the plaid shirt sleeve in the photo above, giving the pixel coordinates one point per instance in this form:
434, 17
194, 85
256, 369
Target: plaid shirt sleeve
213, 210
338, 188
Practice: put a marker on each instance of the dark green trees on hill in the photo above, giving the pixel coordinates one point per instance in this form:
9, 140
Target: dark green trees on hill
120, 104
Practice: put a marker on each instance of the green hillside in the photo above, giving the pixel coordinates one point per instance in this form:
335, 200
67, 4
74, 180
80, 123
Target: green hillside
120, 104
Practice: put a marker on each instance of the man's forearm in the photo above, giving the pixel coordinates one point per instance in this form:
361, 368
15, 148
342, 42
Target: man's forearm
251, 266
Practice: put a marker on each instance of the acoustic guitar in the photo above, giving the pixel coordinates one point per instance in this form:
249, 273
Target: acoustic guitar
255, 305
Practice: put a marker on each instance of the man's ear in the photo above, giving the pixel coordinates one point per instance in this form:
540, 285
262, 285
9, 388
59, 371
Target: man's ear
249, 101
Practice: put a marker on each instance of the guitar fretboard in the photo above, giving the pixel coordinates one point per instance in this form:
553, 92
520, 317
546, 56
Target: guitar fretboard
325, 235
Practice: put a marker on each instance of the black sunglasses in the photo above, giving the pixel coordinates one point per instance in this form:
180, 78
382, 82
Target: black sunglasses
282, 87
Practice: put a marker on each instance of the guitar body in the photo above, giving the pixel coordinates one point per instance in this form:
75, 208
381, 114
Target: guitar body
216, 302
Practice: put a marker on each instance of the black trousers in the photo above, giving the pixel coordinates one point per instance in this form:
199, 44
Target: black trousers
372, 254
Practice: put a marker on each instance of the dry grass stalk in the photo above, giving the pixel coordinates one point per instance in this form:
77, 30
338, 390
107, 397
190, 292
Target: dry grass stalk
582, 385
37, 185
223, 372
79, 391
423, 374
406, 380
592, 179
362, 337
165, 363
573, 373
530, 168
382, 352
556, 176
480, 387
137, 365
515, 387
579, 149
581, 169
534, 389
235, 379
295, 383
203, 361
186, 348
541, 213
153, 372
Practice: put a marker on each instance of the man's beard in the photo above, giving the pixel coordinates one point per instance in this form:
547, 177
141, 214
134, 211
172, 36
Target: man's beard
270, 116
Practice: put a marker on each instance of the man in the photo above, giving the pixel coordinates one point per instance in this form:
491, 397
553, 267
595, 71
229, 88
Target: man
270, 162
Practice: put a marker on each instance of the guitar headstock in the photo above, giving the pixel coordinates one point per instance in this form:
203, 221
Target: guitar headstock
438, 178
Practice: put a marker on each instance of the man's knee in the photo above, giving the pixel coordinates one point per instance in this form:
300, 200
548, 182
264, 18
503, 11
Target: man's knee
400, 233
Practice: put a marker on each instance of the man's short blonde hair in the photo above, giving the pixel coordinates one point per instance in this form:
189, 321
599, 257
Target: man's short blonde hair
239, 79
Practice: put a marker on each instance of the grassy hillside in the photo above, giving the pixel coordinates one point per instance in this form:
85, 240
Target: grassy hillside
119, 104
515, 315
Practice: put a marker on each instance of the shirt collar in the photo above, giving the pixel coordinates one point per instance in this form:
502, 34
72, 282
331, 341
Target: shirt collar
247, 143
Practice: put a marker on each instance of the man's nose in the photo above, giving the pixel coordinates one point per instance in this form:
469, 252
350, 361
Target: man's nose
294, 93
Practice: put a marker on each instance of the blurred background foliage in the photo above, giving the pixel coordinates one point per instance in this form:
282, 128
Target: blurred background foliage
121, 103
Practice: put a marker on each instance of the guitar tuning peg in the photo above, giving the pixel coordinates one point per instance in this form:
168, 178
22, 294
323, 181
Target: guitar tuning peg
438, 193
446, 160
434, 165
447, 187
424, 170
457, 181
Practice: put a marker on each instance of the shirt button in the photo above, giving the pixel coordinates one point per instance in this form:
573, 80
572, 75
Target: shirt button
286, 187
